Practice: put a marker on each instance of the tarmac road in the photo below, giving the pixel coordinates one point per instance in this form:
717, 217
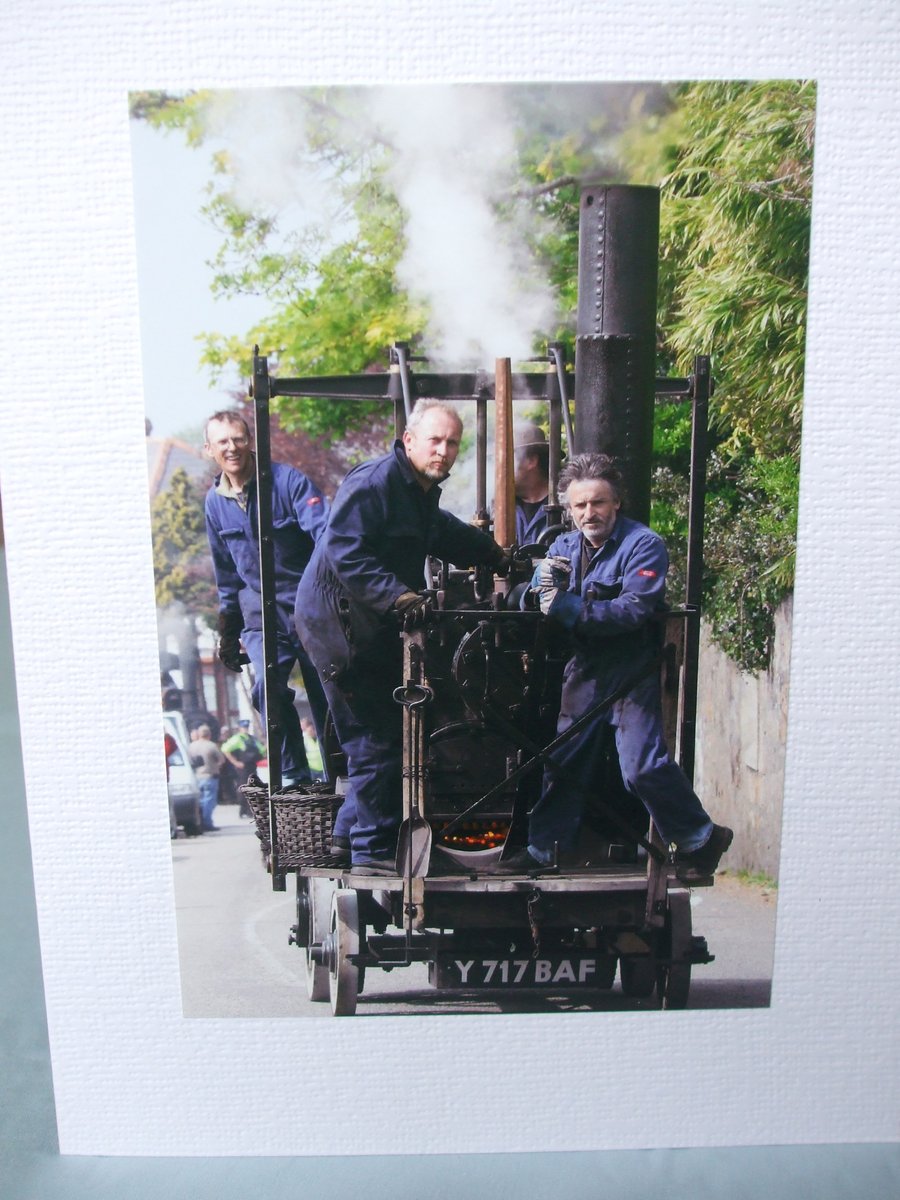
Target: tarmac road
236, 960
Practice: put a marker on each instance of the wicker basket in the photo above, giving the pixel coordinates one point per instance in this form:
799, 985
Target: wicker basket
304, 819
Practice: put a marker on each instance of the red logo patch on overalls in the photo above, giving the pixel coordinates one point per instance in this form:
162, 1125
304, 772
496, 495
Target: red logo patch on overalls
314, 500
648, 574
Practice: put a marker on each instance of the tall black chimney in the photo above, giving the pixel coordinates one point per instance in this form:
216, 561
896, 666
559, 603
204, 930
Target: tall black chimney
615, 350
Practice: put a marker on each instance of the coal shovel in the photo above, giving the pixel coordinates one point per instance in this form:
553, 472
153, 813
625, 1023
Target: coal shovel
414, 841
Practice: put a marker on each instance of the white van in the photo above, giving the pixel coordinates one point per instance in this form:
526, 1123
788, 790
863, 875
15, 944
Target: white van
184, 790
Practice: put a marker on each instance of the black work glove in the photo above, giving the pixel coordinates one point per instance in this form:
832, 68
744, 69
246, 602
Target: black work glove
412, 608
231, 655
502, 563
229, 649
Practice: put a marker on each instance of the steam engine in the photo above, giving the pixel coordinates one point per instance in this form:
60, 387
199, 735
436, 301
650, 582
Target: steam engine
480, 691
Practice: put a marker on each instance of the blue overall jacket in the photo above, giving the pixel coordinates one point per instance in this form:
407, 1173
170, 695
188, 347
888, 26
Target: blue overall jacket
529, 530
609, 608
381, 529
299, 514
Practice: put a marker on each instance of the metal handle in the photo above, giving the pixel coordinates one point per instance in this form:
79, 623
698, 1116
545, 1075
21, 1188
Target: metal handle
419, 693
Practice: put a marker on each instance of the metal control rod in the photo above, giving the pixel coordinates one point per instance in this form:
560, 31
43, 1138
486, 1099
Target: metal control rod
504, 470
261, 396
701, 392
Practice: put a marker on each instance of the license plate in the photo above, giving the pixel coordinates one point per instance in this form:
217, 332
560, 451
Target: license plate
552, 970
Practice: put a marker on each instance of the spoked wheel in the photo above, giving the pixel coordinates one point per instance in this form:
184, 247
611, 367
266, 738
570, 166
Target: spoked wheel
343, 976
638, 976
674, 981
318, 905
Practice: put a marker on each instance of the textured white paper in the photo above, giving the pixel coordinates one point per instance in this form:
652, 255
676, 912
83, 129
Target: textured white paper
131, 1075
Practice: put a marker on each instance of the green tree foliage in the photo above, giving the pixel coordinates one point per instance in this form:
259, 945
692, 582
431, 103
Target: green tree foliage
182, 568
750, 545
734, 164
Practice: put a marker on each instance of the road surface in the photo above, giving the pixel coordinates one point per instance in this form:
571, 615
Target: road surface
236, 960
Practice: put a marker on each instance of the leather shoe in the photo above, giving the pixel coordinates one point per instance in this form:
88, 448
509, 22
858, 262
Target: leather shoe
523, 863
294, 783
339, 849
695, 865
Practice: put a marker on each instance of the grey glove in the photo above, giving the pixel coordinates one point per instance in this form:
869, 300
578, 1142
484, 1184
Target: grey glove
550, 578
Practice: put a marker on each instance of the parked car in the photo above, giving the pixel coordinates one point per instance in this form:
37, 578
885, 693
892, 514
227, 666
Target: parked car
184, 790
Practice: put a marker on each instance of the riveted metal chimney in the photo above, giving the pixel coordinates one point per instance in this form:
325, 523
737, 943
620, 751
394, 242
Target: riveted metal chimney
615, 350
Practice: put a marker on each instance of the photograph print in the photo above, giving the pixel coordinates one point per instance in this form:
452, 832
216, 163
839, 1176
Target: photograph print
473, 436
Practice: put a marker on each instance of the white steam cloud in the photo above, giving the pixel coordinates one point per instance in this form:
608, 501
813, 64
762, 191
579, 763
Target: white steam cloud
452, 155
455, 154
265, 135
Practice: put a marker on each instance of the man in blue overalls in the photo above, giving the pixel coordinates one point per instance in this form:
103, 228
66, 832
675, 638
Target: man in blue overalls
532, 482
299, 513
365, 579
605, 583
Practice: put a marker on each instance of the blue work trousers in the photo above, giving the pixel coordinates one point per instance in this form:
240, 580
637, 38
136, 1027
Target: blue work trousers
209, 798
647, 771
369, 726
290, 651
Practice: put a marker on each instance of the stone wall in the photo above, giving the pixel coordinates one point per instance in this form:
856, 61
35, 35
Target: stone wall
741, 734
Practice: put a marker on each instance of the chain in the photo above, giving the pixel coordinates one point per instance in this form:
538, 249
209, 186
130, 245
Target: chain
534, 901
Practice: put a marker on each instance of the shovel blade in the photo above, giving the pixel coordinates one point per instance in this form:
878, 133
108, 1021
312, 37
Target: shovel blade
414, 848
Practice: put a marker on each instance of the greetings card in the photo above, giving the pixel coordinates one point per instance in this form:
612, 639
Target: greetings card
376, 752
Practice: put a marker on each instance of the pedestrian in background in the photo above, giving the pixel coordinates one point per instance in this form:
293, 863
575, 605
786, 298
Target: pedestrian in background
243, 751
228, 777
207, 759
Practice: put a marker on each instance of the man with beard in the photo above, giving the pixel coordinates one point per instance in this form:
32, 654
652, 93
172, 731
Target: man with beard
605, 584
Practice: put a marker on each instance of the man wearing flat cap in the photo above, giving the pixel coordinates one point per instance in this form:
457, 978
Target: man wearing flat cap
532, 482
